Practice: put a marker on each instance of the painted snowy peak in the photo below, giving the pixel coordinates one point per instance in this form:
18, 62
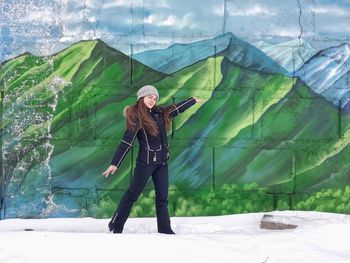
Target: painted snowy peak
179, 56
291, 55
328, 73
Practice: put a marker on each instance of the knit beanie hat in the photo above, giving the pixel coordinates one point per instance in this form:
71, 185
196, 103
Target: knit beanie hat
147, 90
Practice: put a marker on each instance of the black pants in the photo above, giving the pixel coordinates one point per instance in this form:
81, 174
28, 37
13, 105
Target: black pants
142, 172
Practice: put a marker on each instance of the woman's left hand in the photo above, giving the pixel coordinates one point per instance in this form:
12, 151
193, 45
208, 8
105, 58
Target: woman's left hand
198, 100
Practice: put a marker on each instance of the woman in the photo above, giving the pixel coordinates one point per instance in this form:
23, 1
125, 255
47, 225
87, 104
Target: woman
149, 123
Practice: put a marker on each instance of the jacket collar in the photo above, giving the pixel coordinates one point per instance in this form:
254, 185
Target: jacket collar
155, 109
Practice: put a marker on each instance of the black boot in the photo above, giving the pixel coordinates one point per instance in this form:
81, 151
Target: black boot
110, 226
117, 230
168, 231
111, 223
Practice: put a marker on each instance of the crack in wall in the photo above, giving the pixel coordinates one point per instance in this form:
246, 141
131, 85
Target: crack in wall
225, 17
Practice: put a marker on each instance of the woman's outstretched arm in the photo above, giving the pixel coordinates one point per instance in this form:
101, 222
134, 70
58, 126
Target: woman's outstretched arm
183, 105
123, 148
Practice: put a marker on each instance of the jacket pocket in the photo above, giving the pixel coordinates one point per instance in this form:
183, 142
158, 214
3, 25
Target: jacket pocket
153, 156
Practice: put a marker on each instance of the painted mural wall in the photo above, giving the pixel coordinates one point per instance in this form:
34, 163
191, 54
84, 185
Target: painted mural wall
273, 132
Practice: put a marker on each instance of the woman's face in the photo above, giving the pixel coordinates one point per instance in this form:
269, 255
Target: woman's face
150, 101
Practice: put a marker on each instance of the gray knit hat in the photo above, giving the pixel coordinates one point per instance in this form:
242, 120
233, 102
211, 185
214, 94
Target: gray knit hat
147, 90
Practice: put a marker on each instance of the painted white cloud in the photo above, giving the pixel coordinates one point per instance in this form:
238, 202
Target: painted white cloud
45, 16
286, 32
76, 35
218, 10
171, 20
330, 10
49, 15
110, 4
255, 10
113, 4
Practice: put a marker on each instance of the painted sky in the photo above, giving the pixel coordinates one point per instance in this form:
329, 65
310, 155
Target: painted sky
47, 26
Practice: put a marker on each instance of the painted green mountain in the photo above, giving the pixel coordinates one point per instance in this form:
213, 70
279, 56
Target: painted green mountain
263, 128
62, 114
62, 120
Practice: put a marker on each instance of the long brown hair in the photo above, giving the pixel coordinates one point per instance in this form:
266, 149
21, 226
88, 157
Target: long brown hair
137, 116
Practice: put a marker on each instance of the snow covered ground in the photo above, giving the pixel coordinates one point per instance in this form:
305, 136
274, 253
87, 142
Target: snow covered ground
319, 237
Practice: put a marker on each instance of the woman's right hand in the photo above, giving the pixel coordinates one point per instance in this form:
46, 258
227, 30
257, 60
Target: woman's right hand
198, 100
110, 169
